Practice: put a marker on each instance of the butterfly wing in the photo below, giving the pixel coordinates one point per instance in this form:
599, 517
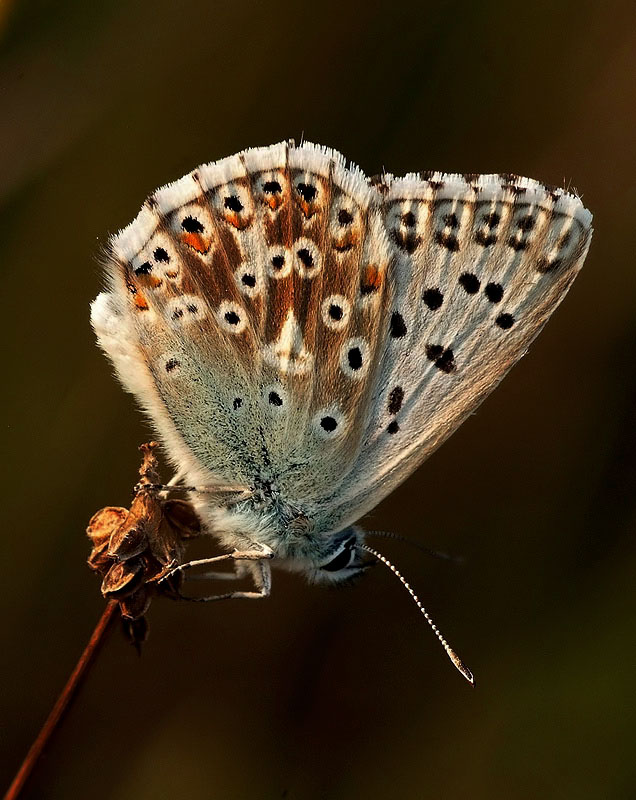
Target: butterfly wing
283, 320
214, 315
477, 265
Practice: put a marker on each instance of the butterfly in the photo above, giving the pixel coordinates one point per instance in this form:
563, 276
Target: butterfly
303, 337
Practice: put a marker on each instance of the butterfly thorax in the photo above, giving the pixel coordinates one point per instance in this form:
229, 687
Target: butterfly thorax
296, 542
265, 518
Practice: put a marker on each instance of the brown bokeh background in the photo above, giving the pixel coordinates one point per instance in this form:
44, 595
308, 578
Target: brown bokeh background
318, 693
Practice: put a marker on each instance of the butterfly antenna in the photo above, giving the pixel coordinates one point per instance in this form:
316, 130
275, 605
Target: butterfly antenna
422, 547
459, 664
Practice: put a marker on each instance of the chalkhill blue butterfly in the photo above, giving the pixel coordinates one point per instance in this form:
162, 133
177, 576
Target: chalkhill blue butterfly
303, 337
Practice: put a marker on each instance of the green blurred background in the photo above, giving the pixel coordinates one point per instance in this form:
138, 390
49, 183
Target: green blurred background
318, 693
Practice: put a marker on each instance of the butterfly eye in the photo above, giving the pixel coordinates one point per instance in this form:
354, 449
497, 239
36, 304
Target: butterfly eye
343, 557
341, 561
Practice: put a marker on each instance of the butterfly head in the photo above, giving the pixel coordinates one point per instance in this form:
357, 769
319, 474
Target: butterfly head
335, 560
343, 561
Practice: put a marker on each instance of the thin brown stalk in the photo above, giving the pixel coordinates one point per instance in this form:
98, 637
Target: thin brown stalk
63, 701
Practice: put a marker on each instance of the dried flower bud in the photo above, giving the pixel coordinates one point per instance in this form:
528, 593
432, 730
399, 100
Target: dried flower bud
133, 550
135, 605
136, 630
123, 578
99, 560
102, 524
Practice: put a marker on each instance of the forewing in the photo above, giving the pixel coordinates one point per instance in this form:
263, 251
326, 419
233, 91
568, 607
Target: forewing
233, 301
477, 266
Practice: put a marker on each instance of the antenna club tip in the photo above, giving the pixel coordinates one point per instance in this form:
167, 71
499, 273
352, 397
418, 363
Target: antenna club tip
459, 664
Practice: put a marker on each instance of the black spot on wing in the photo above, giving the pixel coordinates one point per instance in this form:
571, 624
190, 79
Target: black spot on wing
406, 240
469, 282
433, 298
505, 321
485, 239
442, 357
272, 187
447, 240
232, 203
328, 424
307, 191
354, 358
396, 397
494, 292
398, 326
191, 225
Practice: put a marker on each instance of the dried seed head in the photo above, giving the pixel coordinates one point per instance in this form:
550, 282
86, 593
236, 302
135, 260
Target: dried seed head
134, 549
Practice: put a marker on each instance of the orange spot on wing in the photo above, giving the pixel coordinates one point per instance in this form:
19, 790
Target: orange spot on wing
274, 201
346, 243
196, 242
148, 281
371, 280
141, 302
234, 219
307, 209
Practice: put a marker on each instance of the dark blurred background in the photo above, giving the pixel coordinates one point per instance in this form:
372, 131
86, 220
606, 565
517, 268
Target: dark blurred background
317, 693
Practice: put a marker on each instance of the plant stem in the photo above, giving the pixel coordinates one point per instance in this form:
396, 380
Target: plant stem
63, 701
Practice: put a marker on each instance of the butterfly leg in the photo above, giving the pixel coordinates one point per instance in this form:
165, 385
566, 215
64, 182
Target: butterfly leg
215, 575
240, 570
261, 574
247, 562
